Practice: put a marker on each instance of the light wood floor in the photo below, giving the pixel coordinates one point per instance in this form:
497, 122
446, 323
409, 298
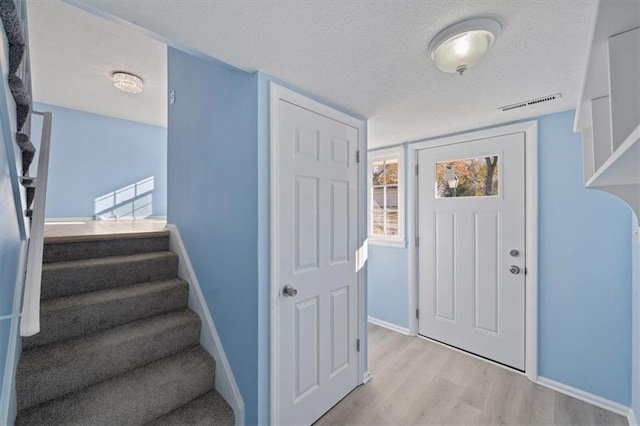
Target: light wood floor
419, 382
59, 230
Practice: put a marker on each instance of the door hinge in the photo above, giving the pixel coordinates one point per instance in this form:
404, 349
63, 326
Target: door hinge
417, 313
358, 345
416, 169
417, 241
357, 156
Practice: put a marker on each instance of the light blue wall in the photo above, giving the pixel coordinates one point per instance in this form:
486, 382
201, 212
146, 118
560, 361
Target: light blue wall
94, 155
213, 199
388, 274
10, 247
584, 271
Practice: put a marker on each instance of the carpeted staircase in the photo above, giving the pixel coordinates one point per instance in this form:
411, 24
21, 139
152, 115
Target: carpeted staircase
118, 344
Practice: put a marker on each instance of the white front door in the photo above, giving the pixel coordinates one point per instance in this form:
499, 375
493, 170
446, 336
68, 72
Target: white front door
316, 238
472, 239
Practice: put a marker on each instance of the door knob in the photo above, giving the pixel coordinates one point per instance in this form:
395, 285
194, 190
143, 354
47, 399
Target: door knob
514, 269
514, 253
289, 290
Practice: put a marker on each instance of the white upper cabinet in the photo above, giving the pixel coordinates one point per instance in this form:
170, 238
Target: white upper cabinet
608, 112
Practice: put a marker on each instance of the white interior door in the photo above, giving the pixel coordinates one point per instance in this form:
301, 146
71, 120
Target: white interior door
472, 242
317, 235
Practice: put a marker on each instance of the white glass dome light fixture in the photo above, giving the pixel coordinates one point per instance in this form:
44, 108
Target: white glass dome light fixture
462, 45
127, 82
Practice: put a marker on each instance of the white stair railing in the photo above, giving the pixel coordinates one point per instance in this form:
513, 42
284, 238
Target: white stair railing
30, 323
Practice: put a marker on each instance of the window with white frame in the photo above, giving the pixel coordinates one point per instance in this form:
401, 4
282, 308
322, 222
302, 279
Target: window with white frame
386, 197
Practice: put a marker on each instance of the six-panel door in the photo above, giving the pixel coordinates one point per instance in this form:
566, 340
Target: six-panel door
317, 240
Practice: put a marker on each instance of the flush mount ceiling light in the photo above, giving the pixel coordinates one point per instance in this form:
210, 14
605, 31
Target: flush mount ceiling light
461, 46
127, 82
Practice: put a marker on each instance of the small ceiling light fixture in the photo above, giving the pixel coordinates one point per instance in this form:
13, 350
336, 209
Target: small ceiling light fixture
462, 45
127, 82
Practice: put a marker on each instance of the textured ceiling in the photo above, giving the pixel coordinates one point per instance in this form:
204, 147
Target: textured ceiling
370, 56
74, 54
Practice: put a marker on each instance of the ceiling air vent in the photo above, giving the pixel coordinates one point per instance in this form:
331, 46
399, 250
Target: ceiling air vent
531, 102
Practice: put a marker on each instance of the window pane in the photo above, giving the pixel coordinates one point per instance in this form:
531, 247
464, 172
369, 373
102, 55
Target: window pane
378, 198
391, 175
378, 222
392, 197
469, 177
377, 172
392, 222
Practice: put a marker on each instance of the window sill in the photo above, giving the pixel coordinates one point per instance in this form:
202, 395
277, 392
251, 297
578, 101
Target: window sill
387, 243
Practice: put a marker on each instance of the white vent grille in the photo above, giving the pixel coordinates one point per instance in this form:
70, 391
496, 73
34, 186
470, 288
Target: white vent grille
530, 102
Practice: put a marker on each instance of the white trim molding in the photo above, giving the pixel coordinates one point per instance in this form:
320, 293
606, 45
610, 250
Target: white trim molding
631, 418
366, 377
530, 130
388, 325
209, 339
589, 398
277, 93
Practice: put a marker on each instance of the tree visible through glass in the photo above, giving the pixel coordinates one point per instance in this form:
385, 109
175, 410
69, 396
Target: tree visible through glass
384, 196
476, 177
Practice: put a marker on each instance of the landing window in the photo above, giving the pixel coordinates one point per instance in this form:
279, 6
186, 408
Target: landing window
386, 197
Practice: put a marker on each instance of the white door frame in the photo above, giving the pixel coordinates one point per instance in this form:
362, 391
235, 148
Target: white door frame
530, 129
277, 93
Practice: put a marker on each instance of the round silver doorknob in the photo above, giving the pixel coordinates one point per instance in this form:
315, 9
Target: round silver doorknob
514, 269
289, 290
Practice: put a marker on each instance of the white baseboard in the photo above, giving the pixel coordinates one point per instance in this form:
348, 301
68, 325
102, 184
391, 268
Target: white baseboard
631, 418
388, 325
587, 397
366, 377
225, 381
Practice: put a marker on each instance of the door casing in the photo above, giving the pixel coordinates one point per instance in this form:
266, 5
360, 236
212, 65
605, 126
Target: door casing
530, 129
276, 94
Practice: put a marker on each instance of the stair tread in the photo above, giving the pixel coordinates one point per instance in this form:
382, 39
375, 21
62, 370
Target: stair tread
86, 275
209, 409
107, 260
100, 296
135, 397
86, 313
70, 249
48, 371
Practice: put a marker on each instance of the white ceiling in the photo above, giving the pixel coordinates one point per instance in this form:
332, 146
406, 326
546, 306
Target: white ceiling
73, 57
370, 56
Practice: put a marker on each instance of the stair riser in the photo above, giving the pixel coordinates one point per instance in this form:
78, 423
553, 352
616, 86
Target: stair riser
80, 320
64, 279
209, 409
65, 251
137, 397
113, 352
